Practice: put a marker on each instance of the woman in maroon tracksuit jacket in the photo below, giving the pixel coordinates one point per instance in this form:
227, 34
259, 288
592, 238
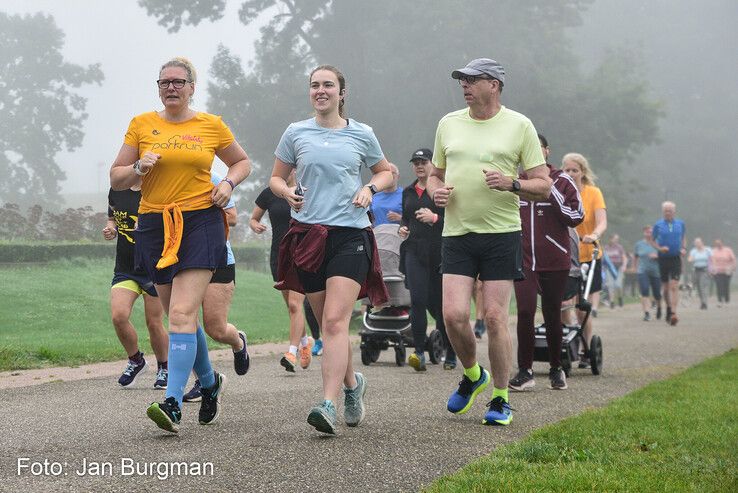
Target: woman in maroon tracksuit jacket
546, 263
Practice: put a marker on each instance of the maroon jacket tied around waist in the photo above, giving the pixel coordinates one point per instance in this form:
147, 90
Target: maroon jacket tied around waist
303, 247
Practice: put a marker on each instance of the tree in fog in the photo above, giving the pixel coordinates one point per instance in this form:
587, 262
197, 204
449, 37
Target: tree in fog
40, 113
398, 57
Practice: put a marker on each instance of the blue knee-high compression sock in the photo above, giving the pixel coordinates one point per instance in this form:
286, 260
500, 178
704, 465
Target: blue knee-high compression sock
202, 361
182, 351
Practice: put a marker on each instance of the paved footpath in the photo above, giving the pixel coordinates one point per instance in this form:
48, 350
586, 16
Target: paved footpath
262, 442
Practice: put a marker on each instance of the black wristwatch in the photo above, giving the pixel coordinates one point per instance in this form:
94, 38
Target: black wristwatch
372, 188
515, 186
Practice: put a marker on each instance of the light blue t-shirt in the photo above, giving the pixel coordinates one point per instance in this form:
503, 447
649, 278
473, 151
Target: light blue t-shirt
328, 163
701, 258
646, 265
385, 202
216, 178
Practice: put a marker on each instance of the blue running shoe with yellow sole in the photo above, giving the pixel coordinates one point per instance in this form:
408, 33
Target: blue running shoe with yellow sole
166, 415
499, 412
461, 400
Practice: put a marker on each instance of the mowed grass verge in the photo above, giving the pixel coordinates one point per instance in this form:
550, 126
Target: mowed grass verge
58, 314
676, 435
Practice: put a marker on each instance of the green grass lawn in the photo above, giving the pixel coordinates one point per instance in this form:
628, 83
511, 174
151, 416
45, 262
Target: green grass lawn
58, 314
675, 435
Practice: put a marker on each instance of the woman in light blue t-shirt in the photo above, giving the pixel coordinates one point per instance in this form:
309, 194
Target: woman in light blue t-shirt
330, 237
699, 257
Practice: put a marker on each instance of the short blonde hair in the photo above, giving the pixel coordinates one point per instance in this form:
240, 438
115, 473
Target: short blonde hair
182, 62
588, 176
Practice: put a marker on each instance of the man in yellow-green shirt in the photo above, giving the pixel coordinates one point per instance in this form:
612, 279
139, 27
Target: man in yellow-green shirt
477, 154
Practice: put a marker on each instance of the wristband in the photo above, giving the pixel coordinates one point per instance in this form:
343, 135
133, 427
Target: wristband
229, 182
137, 168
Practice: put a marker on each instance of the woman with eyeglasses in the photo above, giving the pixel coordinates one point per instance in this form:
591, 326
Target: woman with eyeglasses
181, 234
329, 252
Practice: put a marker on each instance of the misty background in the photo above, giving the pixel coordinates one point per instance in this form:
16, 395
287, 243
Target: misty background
645, 90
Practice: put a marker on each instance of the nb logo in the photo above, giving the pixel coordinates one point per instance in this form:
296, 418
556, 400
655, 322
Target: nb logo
360, 248
155, 132
181, 347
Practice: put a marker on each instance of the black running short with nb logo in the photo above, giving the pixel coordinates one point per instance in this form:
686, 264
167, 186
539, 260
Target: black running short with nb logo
347, 254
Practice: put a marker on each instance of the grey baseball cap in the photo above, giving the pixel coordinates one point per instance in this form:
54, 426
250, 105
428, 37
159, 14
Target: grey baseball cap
481, 66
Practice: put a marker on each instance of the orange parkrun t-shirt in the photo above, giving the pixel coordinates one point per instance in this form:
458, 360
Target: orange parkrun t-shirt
187, 149
592, 200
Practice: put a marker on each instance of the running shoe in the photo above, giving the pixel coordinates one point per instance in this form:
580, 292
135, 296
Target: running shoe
353, 404
210, 405
646, 316
318, 347
450, 363
306, 354
499, 412
674, 319
289, 361
667, 318
523, 380
323, 417
195, 393
131, 373
658, 312
162, 375
557, 379
594, 313
584, 362
166, 415
479, 329
241, 358
417, 361
462, 399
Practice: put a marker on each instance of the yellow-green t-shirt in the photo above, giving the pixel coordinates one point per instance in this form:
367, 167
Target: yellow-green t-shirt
187, 148
464, 147
592, 200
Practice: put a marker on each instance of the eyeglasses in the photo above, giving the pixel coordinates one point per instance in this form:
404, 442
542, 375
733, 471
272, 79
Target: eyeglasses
472, 79
177, 83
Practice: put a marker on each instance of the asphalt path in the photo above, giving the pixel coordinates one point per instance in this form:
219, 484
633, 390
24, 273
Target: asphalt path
263, 443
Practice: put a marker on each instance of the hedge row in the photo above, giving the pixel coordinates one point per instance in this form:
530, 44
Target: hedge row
255, 257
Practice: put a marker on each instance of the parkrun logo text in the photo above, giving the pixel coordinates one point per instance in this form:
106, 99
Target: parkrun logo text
187, 142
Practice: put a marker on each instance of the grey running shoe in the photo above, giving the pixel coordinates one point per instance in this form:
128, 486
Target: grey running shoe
210, 405
166, 415
523, 380
323, 417
353, 404
557, 379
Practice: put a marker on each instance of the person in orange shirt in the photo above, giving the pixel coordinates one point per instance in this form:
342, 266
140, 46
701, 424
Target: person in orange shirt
590, 230
181, 234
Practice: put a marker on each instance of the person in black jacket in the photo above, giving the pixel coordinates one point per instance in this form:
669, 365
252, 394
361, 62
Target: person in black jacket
422, 225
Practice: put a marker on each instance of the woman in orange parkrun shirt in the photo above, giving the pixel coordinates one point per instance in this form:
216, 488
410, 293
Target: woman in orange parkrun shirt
181, 233
590, 230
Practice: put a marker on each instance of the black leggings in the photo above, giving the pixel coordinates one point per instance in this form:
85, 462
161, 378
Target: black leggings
426, 291
311, 320
551, 285
722, 282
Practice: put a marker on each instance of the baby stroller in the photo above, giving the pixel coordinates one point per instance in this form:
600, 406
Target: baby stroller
390, 326
580, 282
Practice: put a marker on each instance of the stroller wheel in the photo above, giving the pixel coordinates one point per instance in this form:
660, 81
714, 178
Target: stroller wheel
435, 346
595, 352
366, 357
400, 355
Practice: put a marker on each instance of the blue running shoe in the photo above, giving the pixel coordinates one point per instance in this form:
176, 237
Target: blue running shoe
318, 347
241, 358
131, 373
323, 418
166, 415
461, 400
499, 413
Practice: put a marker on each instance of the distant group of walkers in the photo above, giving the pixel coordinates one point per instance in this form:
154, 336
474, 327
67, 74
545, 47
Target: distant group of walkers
485, 211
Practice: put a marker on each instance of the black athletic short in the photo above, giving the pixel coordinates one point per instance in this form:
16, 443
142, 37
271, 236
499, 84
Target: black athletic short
670, 268
347, 254
491, 256
224, 275
597, 281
